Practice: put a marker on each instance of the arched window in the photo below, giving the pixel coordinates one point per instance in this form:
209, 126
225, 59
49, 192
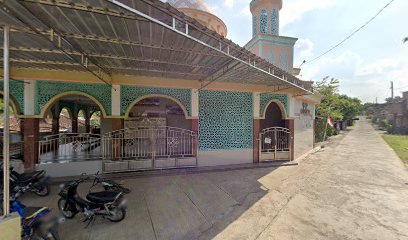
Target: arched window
264, 21
254, 25
284, 65
275, 22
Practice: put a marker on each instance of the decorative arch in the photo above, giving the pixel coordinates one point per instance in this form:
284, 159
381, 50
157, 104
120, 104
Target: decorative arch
264, 22
254, 25
84, 110
275, 22
14, 104
52, 101
70, 113
280, 105
132, 104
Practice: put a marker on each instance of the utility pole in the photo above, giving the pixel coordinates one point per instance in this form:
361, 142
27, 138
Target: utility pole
376, 100
392, 90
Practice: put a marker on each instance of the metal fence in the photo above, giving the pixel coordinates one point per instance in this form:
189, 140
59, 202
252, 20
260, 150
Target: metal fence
70, 146
125, 150
16, 149
275, 143
149, 142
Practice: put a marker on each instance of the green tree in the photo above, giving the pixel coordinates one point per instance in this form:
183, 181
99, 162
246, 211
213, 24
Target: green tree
393, 100
339, 107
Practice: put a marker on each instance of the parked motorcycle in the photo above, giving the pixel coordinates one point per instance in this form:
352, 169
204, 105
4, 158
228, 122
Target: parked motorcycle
109, 185
36, 222
35, 182
108, 204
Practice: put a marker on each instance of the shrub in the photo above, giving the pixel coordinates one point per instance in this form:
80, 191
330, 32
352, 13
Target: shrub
389, 129
383, 123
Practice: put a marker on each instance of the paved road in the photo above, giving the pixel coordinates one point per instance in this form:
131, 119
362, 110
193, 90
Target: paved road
355, 188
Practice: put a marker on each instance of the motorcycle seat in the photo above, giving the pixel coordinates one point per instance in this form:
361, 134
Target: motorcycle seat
31, 212
24, 177
102, 197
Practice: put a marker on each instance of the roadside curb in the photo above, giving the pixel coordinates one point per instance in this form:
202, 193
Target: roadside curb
184, 171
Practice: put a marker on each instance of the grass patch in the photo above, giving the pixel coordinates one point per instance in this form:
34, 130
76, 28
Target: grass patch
399, 144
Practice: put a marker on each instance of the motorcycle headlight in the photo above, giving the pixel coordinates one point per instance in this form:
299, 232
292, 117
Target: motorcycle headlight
62, 186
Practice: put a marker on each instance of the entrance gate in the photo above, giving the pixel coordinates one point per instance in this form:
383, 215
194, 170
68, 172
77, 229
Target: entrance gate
274, 144
143, 148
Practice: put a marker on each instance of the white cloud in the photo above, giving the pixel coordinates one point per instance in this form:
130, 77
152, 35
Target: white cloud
359, 79
304, 48
246, 11
294, 10
229, 3
342, 66
381, 66
213, 9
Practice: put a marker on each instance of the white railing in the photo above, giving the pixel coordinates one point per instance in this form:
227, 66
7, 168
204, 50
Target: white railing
150, 142
132, 148
70, 146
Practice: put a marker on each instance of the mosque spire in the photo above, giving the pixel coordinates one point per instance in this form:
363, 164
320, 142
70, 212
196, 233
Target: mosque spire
265, 17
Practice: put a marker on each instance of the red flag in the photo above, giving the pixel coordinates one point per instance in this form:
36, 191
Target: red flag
330, 121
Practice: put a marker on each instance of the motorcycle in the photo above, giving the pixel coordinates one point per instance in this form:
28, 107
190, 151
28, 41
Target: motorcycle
36, 222
109, 184
35, 182
108, 204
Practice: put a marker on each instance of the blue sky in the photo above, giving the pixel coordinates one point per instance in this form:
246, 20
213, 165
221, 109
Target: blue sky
365, 64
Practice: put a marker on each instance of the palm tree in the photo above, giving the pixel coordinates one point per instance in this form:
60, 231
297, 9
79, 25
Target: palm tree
405, 39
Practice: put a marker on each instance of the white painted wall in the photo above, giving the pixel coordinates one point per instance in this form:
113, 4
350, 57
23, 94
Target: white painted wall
303, 126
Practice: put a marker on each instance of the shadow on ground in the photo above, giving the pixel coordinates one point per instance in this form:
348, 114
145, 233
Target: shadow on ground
187, 206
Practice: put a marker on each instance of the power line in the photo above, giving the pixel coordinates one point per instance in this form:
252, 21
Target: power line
349, 36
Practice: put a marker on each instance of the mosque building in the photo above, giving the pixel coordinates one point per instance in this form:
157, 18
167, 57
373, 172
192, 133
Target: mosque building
152, 85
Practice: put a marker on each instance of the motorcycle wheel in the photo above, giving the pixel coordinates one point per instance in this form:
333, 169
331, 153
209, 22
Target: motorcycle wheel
42, 190
52, 235
68, 213
120, 214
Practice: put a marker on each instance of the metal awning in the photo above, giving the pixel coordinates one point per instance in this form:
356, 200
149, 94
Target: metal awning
130, 37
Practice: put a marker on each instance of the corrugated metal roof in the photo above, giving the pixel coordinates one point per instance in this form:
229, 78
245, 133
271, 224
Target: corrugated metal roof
130, 37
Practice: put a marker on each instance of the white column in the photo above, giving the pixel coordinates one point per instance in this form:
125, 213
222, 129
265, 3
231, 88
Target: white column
29, 97
116, 100
194, 103
256, 104
6, 135
292, 105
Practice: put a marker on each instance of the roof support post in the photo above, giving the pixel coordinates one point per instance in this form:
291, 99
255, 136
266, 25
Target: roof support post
6, 127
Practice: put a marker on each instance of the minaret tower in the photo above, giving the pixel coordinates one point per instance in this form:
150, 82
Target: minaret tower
266, 41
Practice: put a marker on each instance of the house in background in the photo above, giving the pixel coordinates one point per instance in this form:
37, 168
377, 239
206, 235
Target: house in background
396, 113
